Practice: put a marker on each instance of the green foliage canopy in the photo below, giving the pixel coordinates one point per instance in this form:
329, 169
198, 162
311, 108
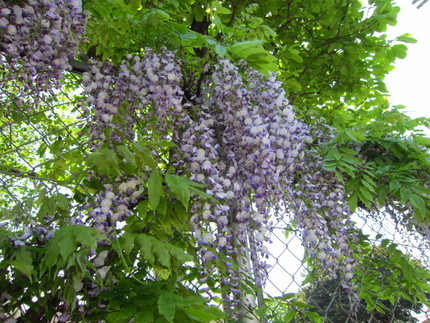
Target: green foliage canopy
331, 56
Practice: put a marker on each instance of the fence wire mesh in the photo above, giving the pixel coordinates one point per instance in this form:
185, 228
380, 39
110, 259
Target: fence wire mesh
39, 142
287, 275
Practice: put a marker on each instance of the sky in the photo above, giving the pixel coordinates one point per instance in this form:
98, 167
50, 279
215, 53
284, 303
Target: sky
409, 83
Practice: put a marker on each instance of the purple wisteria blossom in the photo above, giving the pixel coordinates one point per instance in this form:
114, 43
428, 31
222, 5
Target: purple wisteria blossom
38, 37
320, 209
249, 149
145, 88
113, 205
246, 146
241, 139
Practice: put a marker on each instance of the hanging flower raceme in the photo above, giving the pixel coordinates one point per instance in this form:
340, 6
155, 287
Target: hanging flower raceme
246, 146
320, 209
114, 205
140, 88
107, 214
250, 150
38, 37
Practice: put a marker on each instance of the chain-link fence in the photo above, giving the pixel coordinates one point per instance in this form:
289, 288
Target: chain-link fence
419, 3
288, 284
41, 142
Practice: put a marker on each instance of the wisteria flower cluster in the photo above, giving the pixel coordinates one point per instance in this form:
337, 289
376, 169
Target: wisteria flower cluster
320, 209
38, 38
253, 154
243, 142
113, 205
246, 145
106, 213
146, 88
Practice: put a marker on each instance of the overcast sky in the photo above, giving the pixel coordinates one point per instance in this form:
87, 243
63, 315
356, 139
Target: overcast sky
409, 83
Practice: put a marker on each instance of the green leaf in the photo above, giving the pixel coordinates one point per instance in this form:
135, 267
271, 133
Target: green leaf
154, 189
313, 316
127, 242
166, 307
394, 185
66, 242
256, 55
365, 196
142, 208
293, 54
385, 243
355, 134
193, 300
290, 316
381, 193
156, 251
179, 187
105, 161
162, 144
23, 262
217, 22
111, 160
126, 312
407, 269
423, 141
220, 50
352, 202
80, 259
144, 156
147, 248
200, 193
292, 85
220, 9
287, 296
162, 273
87, 236
69, 293
146, 316
405, 193
204, 313
127, 154
300, 304
370, 185
77, 279
399, 50
417, 201
51, 257
62, 201
421, 190
419, 206
406, 38
179, 254
162, 253
162, 207
56, 147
